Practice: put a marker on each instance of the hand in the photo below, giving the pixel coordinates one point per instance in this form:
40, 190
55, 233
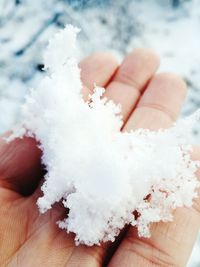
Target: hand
28, 239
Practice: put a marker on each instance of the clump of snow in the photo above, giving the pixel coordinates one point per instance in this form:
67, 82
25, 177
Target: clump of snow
99, 173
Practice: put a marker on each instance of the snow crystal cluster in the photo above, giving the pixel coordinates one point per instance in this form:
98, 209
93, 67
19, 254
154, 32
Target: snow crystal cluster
100, 174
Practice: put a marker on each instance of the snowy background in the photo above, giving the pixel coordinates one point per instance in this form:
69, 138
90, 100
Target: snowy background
172, 28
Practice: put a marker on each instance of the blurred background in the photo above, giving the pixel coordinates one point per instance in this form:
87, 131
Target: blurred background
170, 27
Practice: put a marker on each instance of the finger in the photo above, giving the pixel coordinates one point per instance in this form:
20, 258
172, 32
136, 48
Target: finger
131, 78
20, 166
170, 243
97, 69
160, 105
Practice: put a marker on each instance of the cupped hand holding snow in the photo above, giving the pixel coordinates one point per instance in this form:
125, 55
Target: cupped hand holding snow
100, 174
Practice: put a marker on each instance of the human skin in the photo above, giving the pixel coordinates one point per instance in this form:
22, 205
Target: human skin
28, 239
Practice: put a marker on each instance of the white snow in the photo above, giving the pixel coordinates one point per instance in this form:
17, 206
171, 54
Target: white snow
118, 27
90, 161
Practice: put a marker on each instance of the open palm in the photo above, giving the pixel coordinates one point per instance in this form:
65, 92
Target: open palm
28, 239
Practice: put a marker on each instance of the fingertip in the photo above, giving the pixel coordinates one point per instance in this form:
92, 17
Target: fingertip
174, 80
98, 68
148, 54
103, 57
167, 90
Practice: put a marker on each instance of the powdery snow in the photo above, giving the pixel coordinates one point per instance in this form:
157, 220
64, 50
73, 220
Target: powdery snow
99, 173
